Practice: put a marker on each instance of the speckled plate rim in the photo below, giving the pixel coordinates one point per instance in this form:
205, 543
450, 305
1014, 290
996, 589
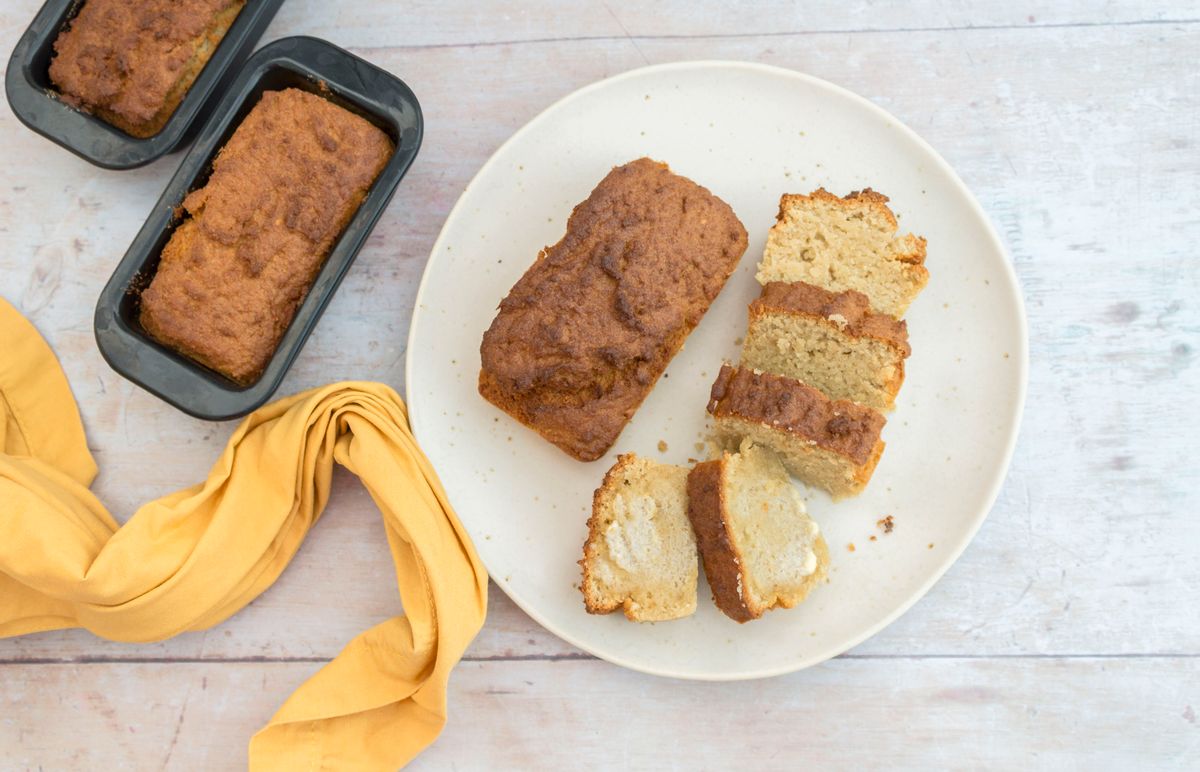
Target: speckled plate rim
1014, 297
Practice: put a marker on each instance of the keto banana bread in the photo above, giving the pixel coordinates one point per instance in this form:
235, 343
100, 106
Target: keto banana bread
828, 444
760, 548
255, 236
130, 62
640, 554
830, 340
584, 335
845, 244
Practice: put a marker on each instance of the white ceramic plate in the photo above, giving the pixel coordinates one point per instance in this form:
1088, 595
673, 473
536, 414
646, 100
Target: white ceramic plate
748, 133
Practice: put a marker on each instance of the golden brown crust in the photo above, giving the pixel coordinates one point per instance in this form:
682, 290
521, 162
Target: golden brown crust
851, 200
850, 311
722, 561
281, 191
584, 335
131, 61
785, 404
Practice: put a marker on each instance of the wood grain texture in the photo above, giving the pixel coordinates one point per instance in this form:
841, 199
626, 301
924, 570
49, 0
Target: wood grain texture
1125, 713
1078, 128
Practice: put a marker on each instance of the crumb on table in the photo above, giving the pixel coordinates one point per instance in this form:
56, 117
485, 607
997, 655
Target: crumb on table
886, 524
662, 446
850, 546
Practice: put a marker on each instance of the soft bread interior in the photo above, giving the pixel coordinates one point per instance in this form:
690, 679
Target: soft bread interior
816, 351
813, 465
770, 525
640, 554
845, 244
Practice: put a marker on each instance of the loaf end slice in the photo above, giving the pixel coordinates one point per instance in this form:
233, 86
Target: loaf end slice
640, 554
832, 341
829, 444
759, 547
848, 243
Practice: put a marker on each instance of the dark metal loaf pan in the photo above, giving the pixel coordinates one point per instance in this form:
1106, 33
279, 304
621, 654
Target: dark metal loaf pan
35, 101
297, 62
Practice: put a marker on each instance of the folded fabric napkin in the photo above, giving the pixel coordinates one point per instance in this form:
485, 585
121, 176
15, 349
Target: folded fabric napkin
191, 559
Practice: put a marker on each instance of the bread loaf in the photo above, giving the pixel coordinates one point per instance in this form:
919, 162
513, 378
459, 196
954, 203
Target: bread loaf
255, 236
583, 336
130, 62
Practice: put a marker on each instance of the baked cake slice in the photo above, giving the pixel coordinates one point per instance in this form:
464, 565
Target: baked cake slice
845, 243
832, 341
760, 548
640, 554
829, 444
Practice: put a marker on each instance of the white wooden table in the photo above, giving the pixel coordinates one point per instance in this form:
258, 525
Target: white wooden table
1067, 635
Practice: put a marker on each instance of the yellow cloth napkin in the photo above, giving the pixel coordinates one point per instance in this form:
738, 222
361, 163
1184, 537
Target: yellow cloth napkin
191, 559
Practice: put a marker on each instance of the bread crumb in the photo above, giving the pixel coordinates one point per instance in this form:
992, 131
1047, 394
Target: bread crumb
873, 537
886, 524
662, 446
693, 460
737, 342
850, 546
930, 545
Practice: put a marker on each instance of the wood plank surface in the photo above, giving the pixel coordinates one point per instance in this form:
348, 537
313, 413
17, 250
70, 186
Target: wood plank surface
1123, 713
1076, 124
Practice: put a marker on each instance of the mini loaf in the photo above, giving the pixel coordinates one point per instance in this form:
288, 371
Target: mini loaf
583, 336
255, 236
640, 555
759, 547
130, 62
845, 244
833, 445
832, 341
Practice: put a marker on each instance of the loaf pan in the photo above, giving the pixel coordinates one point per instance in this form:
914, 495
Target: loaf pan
35, 100
297, 62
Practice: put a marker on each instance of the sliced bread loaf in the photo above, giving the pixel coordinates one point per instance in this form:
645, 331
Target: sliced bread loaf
760, 548
845, 244
829, 444
640, 554
832, 341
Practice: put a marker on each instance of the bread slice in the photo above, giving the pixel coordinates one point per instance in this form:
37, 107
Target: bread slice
832, 341
640, 554
845, 244
833, 445
760, 548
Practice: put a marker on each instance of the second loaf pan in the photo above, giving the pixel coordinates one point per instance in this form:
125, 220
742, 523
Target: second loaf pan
298, 62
